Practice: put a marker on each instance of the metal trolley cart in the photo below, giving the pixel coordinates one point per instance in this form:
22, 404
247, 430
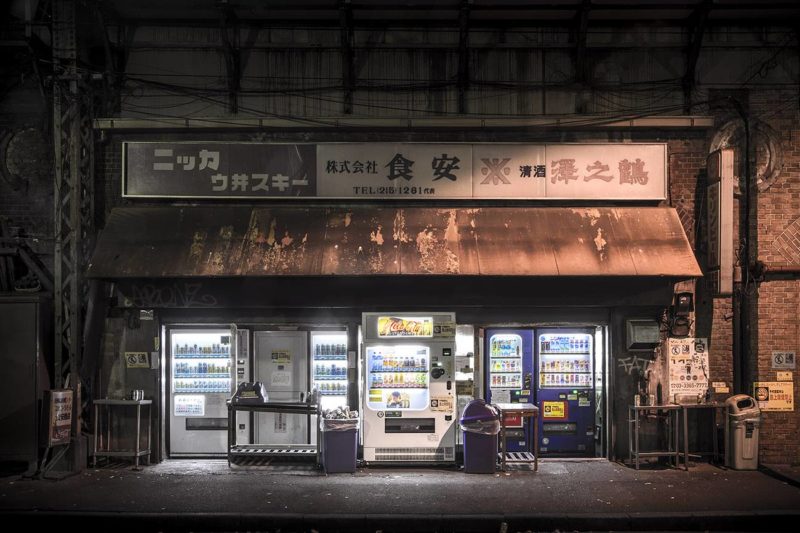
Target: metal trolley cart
269, 450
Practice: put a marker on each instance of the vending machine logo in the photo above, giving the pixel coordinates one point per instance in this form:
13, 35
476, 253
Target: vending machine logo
392, 326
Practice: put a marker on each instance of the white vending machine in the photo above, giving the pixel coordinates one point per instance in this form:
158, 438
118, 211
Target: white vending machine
409, 407
281, 364
201, 378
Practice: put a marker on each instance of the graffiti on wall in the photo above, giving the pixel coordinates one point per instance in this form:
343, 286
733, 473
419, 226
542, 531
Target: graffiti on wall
628, 364
177, 294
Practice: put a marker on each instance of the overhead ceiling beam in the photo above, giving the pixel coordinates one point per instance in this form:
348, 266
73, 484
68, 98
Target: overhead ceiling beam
347, 41
582, 26
463, 54
227, 26
693, 53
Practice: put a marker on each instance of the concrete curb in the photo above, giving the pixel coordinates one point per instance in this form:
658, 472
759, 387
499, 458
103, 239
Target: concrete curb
287, 523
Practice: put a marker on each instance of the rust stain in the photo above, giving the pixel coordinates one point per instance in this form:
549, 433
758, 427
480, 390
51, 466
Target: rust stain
198, 243
601, 245
376, 236
426, 246
399, 228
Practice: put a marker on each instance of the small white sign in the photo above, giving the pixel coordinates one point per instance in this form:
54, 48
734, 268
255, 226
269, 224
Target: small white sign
190, 405
281, 378
783, 360
501, 396
784, 376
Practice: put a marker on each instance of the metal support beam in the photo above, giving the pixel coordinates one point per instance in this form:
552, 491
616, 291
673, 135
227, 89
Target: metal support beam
581, 27
228, 23
347, 42
74, 199
700, 17
463, 55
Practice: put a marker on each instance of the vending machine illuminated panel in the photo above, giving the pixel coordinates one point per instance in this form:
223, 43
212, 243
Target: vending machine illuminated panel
409, 387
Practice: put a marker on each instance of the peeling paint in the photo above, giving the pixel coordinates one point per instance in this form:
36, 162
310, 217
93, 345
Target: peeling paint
376, 236
451, 233
271, 235
601, 244
426, 245
399, 228
198, 243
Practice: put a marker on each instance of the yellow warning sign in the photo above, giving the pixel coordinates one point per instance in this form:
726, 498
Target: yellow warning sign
554, 409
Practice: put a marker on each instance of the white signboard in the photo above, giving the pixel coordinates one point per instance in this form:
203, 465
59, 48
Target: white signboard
688, 367
607, 171
384, 170
509, 171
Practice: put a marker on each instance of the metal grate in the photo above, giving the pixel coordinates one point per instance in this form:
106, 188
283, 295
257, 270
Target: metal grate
415, 454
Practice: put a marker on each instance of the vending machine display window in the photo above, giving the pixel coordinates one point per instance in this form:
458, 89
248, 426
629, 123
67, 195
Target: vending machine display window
565, 361
397, 377
505, 361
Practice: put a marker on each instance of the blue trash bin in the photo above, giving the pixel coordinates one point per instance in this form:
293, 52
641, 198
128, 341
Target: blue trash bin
481, 424
339, 445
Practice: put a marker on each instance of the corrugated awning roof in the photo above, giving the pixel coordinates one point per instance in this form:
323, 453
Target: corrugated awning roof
237, 241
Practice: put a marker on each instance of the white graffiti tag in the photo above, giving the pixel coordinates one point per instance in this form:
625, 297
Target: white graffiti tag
629, 363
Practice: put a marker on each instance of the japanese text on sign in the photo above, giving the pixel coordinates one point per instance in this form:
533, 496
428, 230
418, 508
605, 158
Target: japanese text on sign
774, 395
394, 170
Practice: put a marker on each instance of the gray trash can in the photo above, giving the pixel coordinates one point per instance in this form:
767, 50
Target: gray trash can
742, 421
481, 425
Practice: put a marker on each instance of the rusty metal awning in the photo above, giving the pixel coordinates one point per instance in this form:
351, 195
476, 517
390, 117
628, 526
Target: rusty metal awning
239, 241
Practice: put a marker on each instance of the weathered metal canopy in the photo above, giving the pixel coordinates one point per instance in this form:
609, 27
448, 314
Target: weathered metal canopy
237, 241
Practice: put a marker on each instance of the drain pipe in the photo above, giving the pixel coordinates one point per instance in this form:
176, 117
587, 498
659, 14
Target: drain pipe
742, 335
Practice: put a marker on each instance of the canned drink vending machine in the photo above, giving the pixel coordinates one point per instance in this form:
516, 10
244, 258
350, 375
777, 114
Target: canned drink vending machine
565, 391
410, 398
201, 378
509, 367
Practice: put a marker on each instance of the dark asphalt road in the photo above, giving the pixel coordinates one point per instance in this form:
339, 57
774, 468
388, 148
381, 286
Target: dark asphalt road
563, 495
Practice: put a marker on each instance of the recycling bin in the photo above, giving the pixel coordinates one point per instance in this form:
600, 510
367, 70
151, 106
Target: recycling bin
742, 421
481, 424
339, 444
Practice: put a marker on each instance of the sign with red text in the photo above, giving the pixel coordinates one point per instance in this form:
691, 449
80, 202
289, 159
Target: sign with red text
251, 171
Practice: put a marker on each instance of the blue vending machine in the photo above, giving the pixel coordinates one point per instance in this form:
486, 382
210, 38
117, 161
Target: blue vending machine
565, 391
509, 370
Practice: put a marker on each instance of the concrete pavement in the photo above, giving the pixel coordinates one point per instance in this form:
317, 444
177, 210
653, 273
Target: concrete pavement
581, 495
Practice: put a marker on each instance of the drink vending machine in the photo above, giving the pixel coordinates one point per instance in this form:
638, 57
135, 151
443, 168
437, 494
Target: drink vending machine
509, 367
410, 398
565, 391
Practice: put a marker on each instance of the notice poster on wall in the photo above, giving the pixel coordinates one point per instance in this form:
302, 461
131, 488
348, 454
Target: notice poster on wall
688, 368
774, 395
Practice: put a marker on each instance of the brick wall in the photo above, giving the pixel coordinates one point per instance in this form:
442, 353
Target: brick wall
778, 231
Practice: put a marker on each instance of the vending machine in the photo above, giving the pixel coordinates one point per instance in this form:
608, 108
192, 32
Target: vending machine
409, 399
280, 362
329, 367
565, 391
509, 370
201, 378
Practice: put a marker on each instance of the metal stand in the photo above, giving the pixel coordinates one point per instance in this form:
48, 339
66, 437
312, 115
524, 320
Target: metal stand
685, 408
523, 411
272, 450
673, 426
99, 449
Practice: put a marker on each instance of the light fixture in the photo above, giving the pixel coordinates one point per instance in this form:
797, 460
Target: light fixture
683, 306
